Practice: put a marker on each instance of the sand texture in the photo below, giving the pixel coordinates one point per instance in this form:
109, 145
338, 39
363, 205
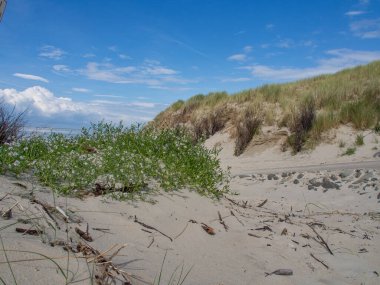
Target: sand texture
316, 214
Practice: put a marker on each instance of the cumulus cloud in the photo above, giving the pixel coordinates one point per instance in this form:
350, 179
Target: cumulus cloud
40, 100
338, 59
30, 77
51, 52
43, 107
366, 29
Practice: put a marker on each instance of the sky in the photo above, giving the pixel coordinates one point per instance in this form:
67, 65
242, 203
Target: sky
72, 62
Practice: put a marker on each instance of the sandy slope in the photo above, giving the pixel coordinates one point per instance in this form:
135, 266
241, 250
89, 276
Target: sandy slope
342, 206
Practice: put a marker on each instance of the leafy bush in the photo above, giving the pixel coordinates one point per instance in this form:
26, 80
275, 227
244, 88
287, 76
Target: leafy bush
11, 124
136, 159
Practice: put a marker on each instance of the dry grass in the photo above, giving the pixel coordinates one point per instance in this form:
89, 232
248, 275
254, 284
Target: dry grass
301, 124
246, 126
11, 124
351, 96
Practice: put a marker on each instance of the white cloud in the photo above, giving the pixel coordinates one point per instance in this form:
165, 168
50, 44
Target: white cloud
106, 72
80, 90
124, 56
43, 107
159, 70
144, 104
88, 55
61, 68
269, 26
52, 52
150, 73
285, 43
112, 48
339, 59
354, 13
247, 49
237, 57
108, 96
39, 100
238, 79
366, 29
30, 77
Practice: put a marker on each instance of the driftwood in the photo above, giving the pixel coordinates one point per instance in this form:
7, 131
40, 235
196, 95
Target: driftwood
222, 222
84, 235
320, 261
29, 231
262, 203
284, 272
233, 214
152, 228
320, 240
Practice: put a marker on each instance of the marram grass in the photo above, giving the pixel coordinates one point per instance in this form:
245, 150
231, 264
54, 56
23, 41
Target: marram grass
351, 96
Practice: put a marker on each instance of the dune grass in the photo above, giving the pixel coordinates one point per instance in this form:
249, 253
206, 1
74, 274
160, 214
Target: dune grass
351, 96
130, 159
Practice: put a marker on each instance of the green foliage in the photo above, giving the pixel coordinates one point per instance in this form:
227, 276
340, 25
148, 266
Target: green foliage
350, 96
177, 105
350, 151
134, 157
359, 141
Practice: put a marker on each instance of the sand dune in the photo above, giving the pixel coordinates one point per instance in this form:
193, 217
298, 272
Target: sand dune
321, 223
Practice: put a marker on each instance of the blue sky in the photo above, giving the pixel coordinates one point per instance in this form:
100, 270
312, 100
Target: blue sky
71, 62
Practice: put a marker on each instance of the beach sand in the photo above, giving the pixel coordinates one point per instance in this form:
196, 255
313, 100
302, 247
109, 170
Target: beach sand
320, 219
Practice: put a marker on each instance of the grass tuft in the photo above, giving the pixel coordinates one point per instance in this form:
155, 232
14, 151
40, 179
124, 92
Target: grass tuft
350, 96
359, 141
247, 125
301, 124
350, 151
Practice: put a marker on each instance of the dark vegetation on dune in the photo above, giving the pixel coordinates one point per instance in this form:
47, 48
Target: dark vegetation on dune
308, 108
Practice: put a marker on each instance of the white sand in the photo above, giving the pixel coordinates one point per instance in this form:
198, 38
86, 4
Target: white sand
348, 219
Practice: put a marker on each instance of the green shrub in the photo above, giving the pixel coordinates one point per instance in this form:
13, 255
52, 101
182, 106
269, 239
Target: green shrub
133, 157
350, 151
359, 141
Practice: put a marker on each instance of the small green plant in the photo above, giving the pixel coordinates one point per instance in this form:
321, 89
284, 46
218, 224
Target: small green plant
342, 144
350, 151
376, 129
129, 161
177, 277
359, 141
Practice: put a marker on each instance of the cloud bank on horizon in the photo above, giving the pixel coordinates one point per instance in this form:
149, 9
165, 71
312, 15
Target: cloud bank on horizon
128, 60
